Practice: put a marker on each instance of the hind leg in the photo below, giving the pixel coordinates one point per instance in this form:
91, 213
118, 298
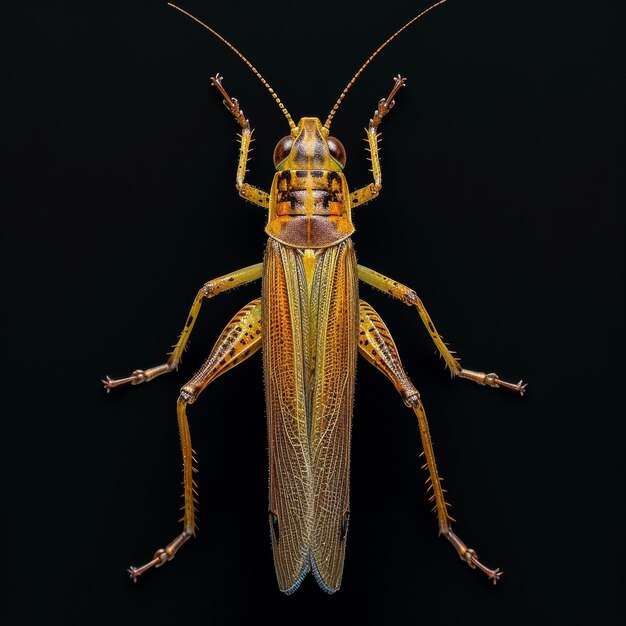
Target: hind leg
377, 346
239, 340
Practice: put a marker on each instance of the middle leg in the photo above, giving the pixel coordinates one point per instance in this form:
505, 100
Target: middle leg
209, 290
409, 297
377, 346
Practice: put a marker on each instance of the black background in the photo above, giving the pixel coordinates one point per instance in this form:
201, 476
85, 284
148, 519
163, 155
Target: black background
501, 206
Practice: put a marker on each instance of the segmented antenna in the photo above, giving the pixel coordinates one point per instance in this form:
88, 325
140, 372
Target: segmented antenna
345, 91
243, 58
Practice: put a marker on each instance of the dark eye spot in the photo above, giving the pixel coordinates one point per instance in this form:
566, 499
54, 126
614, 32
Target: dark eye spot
282, 149
337, 151
344, 525
274, 526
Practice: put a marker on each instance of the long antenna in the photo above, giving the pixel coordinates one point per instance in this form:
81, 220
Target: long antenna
345, 91
243, 58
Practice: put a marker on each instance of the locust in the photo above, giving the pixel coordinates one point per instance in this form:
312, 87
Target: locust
310, 324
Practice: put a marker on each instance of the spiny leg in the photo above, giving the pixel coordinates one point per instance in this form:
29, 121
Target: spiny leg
410, 298
253, 194
377, 346
163, 555
209, 290
365, 194
239, 340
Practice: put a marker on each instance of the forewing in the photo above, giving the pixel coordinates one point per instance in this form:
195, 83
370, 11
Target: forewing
283, 317
334, 322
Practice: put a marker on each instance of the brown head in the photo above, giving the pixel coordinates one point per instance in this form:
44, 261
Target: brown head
309, 198
309, 147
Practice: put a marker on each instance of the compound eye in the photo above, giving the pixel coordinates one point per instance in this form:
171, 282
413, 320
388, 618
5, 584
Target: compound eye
282, 149
337, 151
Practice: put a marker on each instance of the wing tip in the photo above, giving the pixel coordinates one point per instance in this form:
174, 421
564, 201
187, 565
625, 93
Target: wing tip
310, 565
319, 579
306, 568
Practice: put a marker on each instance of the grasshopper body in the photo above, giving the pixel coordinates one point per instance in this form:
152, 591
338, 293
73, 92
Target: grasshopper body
310, 324
310, 330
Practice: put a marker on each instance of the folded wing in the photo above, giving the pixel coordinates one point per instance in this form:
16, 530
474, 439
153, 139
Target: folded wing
310, 326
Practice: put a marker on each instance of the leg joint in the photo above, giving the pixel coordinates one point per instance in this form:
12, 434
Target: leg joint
210, 289
411, 397
410, 298
187, 395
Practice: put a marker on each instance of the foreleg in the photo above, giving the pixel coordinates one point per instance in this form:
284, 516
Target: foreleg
253, 194
365, 194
